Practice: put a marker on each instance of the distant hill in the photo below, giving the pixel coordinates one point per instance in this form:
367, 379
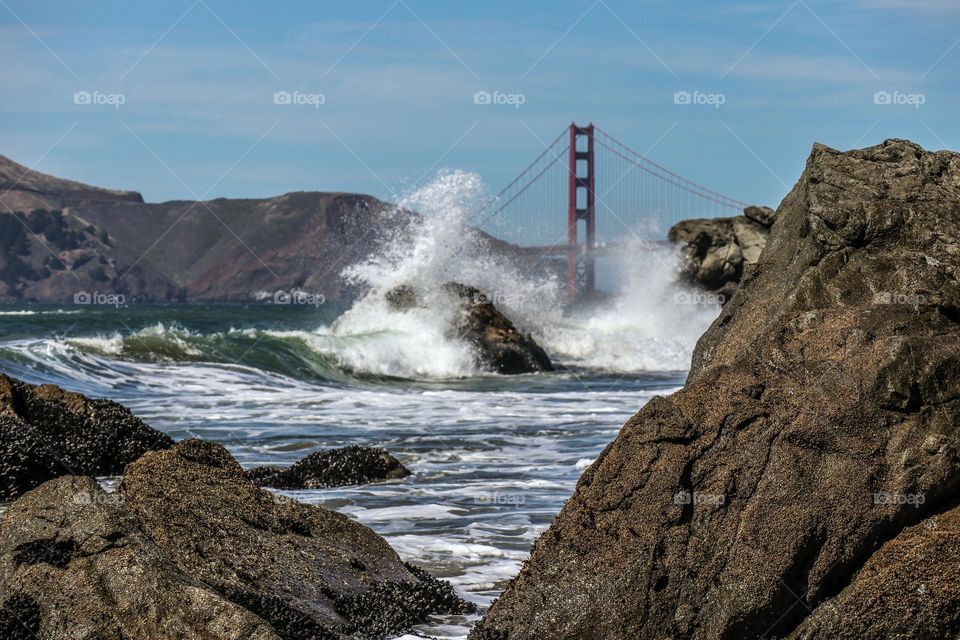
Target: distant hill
59, 238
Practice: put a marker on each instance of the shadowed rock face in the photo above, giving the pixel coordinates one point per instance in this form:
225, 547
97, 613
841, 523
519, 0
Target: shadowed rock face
75, 564
335, 468
819, 421
718, 251
46, 432
308, 571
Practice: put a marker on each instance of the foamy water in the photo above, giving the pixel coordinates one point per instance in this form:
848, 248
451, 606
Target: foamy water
493, 457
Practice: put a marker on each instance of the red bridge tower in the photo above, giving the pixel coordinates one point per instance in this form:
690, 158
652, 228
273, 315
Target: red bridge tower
581, 276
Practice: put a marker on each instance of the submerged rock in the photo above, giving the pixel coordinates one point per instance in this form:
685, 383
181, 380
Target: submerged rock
46, 432
75, 564
308, 571
334, 468
818, 422
717, 251
497, 344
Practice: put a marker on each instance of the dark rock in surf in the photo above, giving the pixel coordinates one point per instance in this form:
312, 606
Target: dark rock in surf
334, 468
75, 564
496, 341
46, 432
308, 571
717, 252
818, 423
497, 344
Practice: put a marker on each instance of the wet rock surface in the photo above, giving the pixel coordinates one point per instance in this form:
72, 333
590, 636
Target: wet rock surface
75, 564
334, 468
308, 571
498, 345
819, 422
716, 252
46, 432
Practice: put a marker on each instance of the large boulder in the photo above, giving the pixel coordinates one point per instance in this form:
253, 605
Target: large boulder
908, 589
497, 344
716, 252
333, 468
75, 564
46, 432
308, 571
819, 421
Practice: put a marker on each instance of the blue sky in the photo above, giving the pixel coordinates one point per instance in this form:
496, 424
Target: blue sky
197, 80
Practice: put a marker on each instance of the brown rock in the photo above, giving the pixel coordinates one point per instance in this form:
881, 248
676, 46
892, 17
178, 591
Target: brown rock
736, 506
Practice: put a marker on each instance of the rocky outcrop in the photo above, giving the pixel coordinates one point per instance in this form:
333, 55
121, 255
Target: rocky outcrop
308, 571
497, 344
908, 589
46, 432
818, 422
334, 468
75, 564
716, 252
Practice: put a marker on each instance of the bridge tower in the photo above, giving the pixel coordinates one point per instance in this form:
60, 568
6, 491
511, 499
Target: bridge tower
581, 274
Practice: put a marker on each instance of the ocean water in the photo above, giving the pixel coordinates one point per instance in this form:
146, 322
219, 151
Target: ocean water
493, 457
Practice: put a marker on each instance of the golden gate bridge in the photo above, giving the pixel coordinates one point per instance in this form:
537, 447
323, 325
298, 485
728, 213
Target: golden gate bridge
588, 193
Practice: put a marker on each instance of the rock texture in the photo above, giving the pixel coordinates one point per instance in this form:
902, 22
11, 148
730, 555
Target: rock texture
908, 589
310, 572
718, 251
75, 564
819, 421
334, 468
46, 432
497, 344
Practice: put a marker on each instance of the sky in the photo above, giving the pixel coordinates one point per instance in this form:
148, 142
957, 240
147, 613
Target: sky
186, 99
